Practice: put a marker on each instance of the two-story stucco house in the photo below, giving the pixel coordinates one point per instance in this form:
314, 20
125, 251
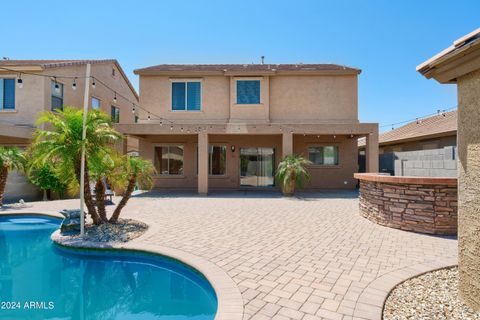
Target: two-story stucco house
28, 87
210, 127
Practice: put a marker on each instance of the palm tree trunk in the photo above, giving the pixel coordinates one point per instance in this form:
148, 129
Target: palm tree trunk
87, 192
3, 182
125, 198
100, 199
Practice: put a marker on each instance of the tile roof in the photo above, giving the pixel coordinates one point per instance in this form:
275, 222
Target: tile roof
436, 125
198, 68
45, 64
52, 63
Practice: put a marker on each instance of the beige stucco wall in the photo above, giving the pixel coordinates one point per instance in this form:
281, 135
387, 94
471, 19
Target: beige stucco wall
18, 187
469, 187
284, 98
333, 177
330, 177
314, 98
35, 96
29, 101
155, 96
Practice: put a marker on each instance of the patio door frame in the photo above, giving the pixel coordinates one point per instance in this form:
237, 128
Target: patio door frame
258, 171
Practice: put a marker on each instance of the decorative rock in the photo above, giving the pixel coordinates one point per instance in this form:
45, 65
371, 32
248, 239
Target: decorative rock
71, 222
433, 295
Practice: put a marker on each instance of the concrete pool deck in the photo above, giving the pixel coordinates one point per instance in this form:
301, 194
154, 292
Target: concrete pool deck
308, 257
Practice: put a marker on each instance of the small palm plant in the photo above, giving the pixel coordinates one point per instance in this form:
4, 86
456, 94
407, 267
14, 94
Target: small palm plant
292, 172
61, 146
10, 159
134, 171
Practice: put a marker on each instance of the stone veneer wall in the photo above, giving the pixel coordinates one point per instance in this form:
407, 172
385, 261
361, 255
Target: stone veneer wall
421, 208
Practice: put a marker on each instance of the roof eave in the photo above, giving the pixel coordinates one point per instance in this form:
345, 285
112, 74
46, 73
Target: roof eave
459, 59
147, 72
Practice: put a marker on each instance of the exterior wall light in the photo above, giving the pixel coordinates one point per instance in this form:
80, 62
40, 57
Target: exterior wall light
232, 147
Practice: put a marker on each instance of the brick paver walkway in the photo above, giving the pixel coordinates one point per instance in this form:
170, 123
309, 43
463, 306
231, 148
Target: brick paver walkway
311, 257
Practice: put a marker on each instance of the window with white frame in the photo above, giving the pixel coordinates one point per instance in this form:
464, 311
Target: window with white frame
57, 96
7, 94
186, 95
169, 159
248, 91
96, 103
323, 155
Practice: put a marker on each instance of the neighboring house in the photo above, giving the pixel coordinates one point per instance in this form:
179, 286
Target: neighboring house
23, 96
228, 126
424, 147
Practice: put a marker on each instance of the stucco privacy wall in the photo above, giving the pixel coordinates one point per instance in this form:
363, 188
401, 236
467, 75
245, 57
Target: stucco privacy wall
469, 186
18, 188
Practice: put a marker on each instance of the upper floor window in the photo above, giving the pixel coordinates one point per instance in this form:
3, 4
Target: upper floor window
115, 113
186, 95
248, 91
57, 95
325, 155
7, 94
96, 103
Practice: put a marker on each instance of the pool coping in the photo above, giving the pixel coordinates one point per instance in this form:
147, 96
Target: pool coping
229, 299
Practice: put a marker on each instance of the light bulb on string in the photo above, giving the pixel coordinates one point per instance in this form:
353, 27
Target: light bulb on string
93, 82
56, 86
133, 108
20, 81
115, 97
149, 118
74, 84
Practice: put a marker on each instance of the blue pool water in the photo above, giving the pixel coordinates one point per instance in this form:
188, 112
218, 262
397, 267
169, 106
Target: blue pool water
38, 280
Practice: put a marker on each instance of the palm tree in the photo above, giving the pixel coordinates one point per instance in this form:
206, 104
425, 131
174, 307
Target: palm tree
291, 172
10, 159
102, 168
62, 144
136, 171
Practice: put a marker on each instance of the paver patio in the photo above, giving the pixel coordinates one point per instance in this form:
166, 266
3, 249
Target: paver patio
310, 257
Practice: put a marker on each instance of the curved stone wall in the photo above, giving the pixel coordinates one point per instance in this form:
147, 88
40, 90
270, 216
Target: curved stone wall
426, 205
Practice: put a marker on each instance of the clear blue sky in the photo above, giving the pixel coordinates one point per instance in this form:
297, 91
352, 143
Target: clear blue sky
386, 39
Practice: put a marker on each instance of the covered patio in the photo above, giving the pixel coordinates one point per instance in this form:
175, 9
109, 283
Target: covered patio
275, 139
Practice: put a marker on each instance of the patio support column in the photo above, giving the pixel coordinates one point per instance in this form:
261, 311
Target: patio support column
371, 152
203, 163
287, 144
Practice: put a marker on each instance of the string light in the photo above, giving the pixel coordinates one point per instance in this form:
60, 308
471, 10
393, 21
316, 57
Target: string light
74, 84
149, 118
115, 98
171, 127
161, 123
57, 87
133, 108
93, 82
20, 81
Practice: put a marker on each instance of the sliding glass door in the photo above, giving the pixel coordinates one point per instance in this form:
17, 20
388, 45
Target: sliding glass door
257, 167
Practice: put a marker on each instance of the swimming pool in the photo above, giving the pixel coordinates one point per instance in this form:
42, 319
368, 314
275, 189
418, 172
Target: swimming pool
39, 280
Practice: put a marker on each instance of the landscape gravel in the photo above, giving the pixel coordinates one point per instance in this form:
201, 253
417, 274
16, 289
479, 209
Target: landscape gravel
433, 295
122, 231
